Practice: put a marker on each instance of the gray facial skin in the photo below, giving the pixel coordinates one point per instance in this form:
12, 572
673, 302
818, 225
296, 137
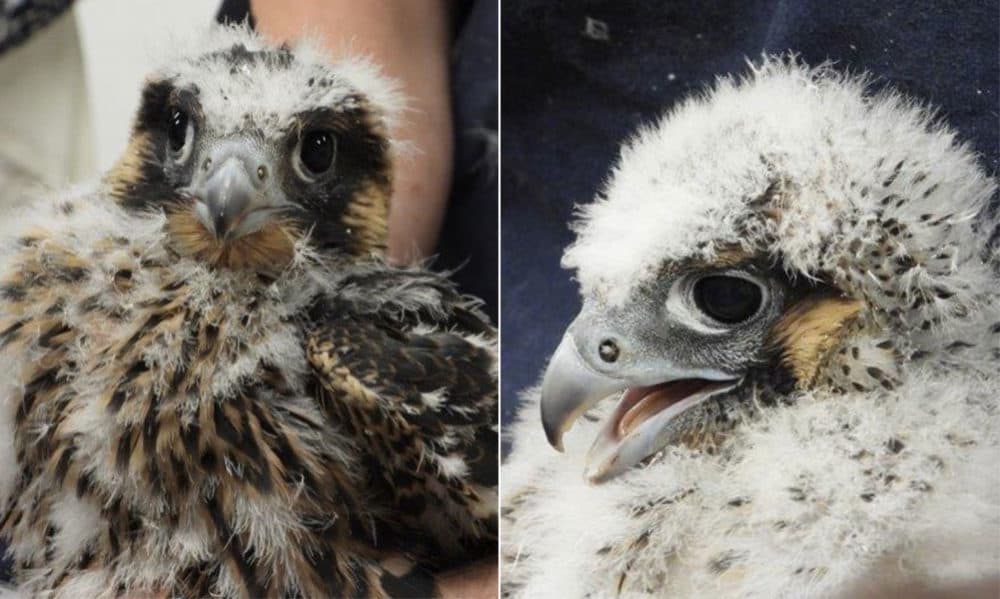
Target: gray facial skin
660, 336
236, 194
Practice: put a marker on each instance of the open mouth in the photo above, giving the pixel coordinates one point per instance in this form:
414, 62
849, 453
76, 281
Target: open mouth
639, 404
646, 420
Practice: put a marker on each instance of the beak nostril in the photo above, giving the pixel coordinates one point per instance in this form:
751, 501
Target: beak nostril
608, 350
232, 201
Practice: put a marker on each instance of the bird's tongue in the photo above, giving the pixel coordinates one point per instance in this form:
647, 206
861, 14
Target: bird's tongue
638, 426
639, 404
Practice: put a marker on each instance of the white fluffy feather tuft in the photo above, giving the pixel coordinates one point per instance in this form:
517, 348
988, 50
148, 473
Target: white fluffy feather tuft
816, 497
325, 80
683, 186
800, 504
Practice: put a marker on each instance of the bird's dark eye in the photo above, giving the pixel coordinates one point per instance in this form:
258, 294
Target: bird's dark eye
177, 129
727, 299
317, 151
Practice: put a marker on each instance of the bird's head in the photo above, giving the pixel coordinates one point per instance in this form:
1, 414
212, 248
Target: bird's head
785, 233
251, 150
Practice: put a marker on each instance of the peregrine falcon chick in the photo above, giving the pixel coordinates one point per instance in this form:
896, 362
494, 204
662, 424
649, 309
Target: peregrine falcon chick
783, 380
212, 383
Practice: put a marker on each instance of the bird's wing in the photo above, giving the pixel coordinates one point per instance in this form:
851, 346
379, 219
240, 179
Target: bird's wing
418, 395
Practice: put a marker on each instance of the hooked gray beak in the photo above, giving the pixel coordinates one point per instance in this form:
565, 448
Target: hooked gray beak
570, 388
234, 197
655, 406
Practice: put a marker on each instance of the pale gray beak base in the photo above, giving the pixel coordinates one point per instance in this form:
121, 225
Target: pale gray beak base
225, 197
570, 388
612, 455
234, 194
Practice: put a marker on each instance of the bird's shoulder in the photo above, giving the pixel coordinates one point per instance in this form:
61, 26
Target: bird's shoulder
409, 372
400, 335
403, 298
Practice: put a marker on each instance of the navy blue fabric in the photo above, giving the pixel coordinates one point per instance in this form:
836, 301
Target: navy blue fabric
570, 98
470, 233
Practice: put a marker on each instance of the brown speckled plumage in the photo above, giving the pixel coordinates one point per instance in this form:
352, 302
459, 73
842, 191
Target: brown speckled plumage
272, 417
859, 441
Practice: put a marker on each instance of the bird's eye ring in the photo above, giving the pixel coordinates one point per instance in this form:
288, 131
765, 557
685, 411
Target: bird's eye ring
180, 133
728, 299
315, 153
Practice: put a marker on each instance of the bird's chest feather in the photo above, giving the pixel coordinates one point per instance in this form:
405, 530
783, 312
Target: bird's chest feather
141, 363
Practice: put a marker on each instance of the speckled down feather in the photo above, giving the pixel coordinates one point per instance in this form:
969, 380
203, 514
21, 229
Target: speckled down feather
172, 426
884, 464
176, 426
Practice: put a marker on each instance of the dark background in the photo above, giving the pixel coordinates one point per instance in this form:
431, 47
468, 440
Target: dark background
569, 99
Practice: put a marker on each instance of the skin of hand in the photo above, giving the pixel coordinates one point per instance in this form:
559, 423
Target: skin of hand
475, 581
410, 40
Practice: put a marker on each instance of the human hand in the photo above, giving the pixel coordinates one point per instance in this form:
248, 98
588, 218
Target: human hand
476, 581
410, 41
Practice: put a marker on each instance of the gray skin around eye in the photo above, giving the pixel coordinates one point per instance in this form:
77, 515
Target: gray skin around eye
649, 332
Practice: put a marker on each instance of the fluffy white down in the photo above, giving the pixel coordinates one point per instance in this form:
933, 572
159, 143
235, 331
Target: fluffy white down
811, 499
681, 187
228, 96
805, 502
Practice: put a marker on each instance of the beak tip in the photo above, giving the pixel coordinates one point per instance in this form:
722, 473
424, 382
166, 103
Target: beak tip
225, 196
553, 435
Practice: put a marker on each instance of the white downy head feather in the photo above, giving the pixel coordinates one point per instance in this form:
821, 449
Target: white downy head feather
809, 499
